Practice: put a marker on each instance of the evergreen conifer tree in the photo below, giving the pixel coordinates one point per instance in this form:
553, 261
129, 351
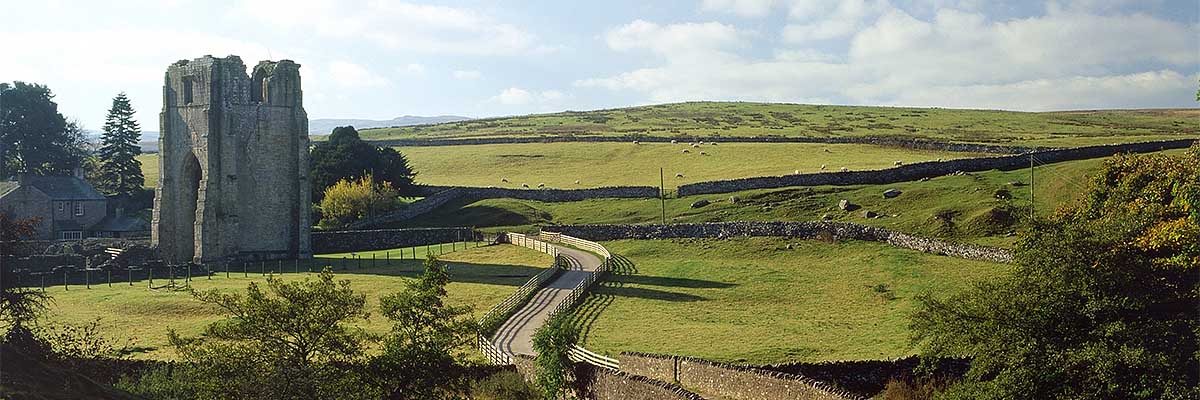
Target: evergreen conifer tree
120, 171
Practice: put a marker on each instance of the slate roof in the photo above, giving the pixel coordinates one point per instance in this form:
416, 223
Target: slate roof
58, 188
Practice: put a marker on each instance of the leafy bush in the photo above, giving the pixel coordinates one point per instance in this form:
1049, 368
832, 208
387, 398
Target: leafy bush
350, 201
551, 342
505, 385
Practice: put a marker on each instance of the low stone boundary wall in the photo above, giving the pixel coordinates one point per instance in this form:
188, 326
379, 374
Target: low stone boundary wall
930, 169
867, 377
797, 229
437, 196
729, 380
325, 242
596, 383
919, 144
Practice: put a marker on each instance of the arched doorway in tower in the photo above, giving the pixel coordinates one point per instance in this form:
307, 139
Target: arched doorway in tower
190, 199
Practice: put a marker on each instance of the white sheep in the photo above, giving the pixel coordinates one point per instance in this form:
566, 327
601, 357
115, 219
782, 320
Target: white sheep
695, 146
541, 186
685, 151
505, 180
701, 142
636, 142
678, 175
703, 153
822, 167
827, 151
576, 181
525, 185
673, 141
796, 173
713, 143
939, 160
899, 163
844, 169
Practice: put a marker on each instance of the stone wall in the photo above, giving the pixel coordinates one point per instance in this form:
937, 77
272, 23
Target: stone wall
437, 196
592, 382
919, 144
796, 229
930, 169
379, 239
728, 380
867, 377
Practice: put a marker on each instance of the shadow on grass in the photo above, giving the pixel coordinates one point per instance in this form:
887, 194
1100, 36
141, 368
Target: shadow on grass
491, 274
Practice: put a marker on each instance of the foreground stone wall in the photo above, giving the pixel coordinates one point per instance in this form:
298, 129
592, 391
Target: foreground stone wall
867, 377
796, 229
919, 144
930, 169
602, 384
379, 239
728, 380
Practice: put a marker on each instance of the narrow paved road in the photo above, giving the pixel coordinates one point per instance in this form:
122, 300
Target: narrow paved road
516, 335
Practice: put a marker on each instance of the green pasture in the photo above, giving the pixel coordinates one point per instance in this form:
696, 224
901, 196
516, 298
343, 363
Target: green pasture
726, 119
559, 165
149, 169
140, 317
969, 200
753, 300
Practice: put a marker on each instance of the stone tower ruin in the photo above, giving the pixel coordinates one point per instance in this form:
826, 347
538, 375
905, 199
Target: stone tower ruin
234, 163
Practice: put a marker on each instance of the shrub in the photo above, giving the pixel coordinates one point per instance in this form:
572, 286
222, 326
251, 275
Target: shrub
350, 201
504, 385
551, 343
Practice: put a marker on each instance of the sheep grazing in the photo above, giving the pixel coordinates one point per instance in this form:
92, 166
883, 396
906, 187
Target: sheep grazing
796, 173
695, 146
636, 142
899, 163
844, 169
703, 153
685, 151
576, 181
673, 141
701, 142
713, 143
939, 160
827, 151
678, 175
822, 167
505, 180
541, 186
525, 185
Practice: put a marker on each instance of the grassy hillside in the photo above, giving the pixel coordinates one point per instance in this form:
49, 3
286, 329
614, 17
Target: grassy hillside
724, 119
753, 300
559, 165
482, 277
969, 200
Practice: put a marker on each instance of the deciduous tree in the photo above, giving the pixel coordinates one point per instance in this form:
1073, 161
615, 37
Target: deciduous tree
34, 136
345, 156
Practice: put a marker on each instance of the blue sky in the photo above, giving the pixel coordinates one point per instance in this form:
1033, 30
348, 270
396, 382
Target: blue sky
381, 59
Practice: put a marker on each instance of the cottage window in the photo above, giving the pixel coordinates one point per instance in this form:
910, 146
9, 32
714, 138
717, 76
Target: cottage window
79, 209
61, 205
70, 235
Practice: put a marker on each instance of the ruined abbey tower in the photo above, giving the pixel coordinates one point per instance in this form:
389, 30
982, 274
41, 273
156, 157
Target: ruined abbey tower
234, 163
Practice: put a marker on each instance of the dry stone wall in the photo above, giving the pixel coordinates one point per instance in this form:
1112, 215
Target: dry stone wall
796, 229
729, 380
915, 171
919, 144
437, 196
867, 377
378, 239
597, 383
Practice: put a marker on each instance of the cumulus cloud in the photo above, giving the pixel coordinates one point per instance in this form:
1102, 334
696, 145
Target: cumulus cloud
745, 8
515, 96
952, 58
467, 75
350, 75
395, 25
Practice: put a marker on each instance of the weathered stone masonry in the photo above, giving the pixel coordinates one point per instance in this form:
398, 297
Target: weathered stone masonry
234, 162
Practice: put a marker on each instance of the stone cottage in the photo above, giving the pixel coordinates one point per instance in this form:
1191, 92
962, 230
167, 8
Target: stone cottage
68, 206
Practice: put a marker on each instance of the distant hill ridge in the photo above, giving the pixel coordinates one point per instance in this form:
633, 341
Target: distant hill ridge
324, 126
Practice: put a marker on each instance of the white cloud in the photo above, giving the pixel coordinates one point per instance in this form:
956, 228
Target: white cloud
515, 96
745, 8
824, 20
395, 25
415, 69
955, 58
466, 75
351, 75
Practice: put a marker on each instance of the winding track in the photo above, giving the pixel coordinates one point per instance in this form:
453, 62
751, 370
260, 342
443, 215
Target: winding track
516, 335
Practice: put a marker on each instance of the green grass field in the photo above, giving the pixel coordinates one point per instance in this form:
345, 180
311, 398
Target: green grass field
752, 300
149, 169
559, 165
140, 317
969, 199
725, 119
